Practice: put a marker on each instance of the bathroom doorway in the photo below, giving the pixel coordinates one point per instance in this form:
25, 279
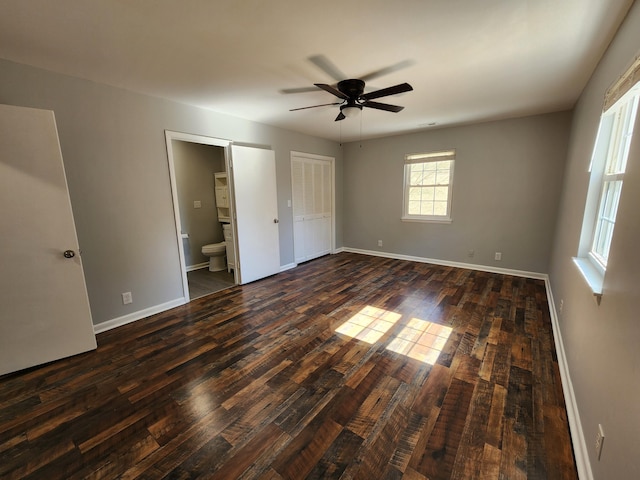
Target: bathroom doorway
246, 194
198, 171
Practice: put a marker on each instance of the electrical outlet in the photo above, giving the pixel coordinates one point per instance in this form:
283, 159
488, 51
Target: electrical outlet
599, 441
561, 305
498, 256
379, 243
471, 253
127, 298
197, 204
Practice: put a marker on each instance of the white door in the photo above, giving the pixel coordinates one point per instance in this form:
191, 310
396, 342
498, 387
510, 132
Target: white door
44, 308
256, 211
312, 187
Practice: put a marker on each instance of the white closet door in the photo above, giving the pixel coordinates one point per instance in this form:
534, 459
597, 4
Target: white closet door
312, 187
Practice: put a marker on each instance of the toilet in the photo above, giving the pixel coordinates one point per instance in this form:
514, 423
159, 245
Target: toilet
216, 253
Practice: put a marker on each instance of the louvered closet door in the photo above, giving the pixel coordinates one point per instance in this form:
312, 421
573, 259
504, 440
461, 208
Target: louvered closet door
312, 188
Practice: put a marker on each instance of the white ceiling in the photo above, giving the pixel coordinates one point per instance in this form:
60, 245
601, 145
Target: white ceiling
467, 60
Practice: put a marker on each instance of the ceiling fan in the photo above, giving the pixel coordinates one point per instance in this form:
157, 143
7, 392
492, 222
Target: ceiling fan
353, 98
351, 91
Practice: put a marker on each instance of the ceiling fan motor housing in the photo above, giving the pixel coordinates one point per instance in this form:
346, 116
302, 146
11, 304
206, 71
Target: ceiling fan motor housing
352, 88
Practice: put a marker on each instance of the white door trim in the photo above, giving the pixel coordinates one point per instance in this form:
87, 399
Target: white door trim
332, 162
187, 137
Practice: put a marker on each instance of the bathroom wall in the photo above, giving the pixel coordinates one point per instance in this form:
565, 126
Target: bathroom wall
195, 165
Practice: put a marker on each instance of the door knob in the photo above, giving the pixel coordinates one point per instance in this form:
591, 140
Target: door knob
275, 220
69, 254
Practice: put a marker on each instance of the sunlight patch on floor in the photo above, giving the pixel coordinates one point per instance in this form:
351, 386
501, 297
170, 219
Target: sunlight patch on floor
421, 340
369, 324
418, 339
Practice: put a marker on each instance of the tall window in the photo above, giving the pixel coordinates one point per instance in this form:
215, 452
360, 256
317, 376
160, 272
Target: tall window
428, 182
616, 130
608, 165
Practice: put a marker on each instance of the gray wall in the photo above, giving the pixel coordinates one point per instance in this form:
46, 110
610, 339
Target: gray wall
194, 166
506, 189
115, 157
601, 342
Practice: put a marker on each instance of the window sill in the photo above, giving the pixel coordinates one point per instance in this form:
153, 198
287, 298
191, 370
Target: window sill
593, 277
426, 220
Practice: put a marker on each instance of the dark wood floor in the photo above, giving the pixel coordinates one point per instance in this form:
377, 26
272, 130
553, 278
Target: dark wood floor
346, 367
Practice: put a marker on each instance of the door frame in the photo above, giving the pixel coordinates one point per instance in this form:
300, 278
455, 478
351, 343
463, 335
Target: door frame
332, 162
170, 136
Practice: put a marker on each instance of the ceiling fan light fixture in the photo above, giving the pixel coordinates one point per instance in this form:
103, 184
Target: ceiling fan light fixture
351, 111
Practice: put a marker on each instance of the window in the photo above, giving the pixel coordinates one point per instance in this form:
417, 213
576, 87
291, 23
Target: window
428, 183
621, 120
608, 165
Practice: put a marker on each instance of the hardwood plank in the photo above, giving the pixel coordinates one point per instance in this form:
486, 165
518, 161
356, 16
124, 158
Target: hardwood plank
372, 408
409, 439
243, 459
434, 390
490, 462
471, 447
300, 456
378, 447
496, 416
440, 453
338, 456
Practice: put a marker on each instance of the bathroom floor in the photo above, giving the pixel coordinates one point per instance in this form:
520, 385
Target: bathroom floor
203, 282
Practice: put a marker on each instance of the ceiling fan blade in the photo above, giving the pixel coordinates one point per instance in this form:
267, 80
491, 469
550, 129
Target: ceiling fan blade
324, 64
340, 117
331, 90
298, 90
383, 106
387, 70
314, 106
400, 88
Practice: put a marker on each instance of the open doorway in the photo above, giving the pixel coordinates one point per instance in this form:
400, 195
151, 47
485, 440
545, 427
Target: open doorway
203, 213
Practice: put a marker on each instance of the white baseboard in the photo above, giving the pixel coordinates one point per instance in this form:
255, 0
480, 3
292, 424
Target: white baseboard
197, 266
132, 317
575, 425
288, 266
446, 263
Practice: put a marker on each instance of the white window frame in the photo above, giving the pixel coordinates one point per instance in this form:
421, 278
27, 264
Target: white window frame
424, 158
608, 165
